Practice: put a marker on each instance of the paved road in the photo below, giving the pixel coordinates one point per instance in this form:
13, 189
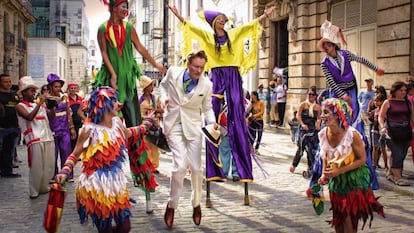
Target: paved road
277, 203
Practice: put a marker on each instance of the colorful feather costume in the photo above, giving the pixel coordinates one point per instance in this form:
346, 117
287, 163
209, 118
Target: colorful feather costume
350, 193
101, 190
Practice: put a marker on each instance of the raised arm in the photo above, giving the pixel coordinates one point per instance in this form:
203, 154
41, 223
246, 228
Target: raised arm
176, 13
266, 13
144, 52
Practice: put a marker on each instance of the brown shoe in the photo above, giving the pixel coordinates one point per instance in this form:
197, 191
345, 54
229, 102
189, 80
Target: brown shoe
197, 215
169, 217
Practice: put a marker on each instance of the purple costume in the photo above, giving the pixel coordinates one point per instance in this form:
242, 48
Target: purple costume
60, 126
341, 79
228, 79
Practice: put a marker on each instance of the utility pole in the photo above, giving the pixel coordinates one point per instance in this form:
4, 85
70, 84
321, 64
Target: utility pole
165, 35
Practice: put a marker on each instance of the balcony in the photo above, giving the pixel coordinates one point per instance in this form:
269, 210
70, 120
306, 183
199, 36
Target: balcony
9, 40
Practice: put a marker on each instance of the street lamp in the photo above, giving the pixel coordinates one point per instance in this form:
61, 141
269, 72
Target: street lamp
10, 65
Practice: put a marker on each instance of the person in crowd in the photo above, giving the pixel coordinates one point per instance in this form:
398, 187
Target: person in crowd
231, 54
309, 124
345, 170
395, 112
378, 140
281, 92
364, 98
61, 123
75, 100
149, 102
410, 97
33, 121
120, 69
9, 126
262, 94
101, 188
187, 95
294, 127
255, 121
274, 117
337, 69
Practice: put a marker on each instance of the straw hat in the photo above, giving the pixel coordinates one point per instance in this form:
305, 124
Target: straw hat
212, 134
26, 82
331, 33
146, 81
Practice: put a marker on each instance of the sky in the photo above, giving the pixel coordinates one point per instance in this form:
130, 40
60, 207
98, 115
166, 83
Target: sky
97, 13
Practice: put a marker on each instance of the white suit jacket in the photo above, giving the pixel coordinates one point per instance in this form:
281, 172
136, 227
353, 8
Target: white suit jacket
186, 109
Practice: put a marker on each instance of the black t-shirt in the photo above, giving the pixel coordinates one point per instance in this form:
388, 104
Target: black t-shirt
9, 100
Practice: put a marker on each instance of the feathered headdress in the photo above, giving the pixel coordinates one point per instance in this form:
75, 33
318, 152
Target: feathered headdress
331, 33
101, 101
341, 109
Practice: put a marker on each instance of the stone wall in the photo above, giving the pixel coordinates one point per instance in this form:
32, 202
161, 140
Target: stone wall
394, 37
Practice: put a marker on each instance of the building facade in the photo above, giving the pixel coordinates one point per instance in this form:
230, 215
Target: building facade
58, 40
15, 15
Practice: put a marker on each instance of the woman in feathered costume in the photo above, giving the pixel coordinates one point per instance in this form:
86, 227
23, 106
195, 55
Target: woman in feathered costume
101, 189
344, 169
230, 54
120, 71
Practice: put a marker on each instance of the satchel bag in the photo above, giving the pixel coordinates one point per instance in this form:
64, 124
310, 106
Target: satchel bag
400, 131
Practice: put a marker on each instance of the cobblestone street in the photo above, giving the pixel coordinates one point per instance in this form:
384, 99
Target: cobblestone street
277, 203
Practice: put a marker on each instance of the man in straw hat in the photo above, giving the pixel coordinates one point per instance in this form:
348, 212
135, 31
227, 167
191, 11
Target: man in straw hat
336, 66
187, 95
33, 121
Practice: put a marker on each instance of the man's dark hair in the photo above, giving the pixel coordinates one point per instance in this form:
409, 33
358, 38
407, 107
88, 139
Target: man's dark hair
200, 54
3, 75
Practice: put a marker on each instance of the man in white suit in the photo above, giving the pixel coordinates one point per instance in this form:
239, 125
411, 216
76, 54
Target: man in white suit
186, 95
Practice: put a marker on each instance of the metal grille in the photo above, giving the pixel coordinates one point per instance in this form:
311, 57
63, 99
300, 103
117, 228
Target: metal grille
368, 12
353, 13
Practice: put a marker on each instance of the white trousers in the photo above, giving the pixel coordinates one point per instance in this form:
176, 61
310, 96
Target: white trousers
42, 167
186, 153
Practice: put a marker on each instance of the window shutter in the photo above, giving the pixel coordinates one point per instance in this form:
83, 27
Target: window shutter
352, 13
369, 11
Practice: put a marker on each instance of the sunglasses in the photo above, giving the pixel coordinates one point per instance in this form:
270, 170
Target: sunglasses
311, 94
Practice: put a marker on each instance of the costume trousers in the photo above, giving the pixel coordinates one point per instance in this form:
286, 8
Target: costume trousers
62, 148
131, 112
41, 164
186, 153
228, 79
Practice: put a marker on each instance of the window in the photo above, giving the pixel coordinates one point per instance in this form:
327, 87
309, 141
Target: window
61, 33
145, 28
354, 13
144, 3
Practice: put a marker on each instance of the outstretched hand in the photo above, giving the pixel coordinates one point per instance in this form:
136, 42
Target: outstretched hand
380, 72
175, 11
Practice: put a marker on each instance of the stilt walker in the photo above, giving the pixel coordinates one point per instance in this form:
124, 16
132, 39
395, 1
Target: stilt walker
120, 71
230, 54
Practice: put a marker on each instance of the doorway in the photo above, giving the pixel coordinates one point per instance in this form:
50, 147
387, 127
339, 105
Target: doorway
281, 46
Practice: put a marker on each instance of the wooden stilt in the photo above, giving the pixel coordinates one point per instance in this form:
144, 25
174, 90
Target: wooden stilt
148, 202
246, 194
208, 201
